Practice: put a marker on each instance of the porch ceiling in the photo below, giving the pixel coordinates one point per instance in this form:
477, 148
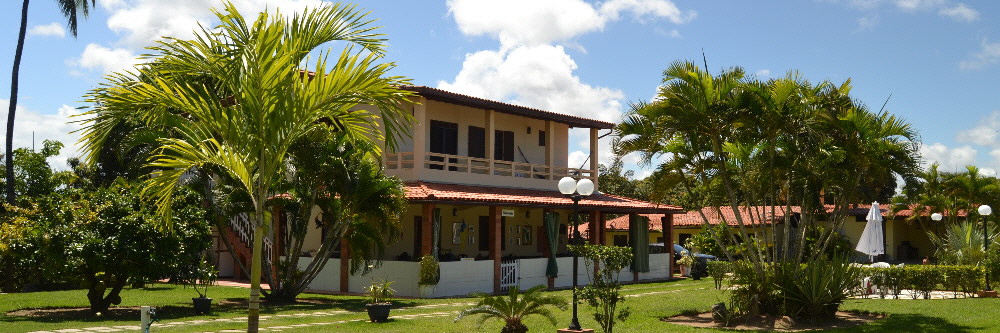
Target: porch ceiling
426, 192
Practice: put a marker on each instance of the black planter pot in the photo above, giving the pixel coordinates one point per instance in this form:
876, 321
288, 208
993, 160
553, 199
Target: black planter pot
378, 313
202, 305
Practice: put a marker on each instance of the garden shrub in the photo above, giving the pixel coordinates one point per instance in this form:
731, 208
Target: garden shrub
813, 290
718, 270
923, 279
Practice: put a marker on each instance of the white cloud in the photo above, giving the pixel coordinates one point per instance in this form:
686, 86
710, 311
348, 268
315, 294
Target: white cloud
960, 12
917, 4
140, 23
980, 135
867, 22
988, 54
53, 29
949, 158
530, 67
46, 127
106, 60
529, 22
763, 73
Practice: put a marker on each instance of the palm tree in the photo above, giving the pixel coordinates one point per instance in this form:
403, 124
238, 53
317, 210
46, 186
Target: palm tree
514, 307
236, 99
71, 9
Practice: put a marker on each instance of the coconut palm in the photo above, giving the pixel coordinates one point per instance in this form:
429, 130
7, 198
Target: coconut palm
237, 97
514, 307
71, 9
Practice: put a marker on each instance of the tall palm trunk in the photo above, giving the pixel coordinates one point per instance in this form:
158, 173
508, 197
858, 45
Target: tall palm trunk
9, 152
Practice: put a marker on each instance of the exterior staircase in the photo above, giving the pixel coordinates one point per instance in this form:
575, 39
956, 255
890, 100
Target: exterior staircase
239, 234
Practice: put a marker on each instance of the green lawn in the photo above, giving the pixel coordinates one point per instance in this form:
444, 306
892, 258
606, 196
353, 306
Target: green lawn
342, 313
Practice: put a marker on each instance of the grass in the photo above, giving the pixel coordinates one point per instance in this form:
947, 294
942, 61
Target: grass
649, 303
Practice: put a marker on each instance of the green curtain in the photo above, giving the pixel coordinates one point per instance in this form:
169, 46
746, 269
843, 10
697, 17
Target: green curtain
638, 228
436, 233
552, 230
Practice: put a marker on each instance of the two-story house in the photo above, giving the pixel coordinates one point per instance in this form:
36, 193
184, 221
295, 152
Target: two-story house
490, 171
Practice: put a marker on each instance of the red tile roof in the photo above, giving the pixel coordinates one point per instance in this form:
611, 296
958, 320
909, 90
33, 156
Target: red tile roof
693, 219
417, 192
476, 102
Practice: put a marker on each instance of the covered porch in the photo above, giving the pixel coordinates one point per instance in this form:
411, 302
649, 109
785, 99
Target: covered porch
489, 239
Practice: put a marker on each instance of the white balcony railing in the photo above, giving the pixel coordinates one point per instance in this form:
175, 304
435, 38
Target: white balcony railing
482, 166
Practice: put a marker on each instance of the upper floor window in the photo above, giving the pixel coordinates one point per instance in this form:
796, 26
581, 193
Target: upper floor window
503, 146
477, 142
444, 140
541, 138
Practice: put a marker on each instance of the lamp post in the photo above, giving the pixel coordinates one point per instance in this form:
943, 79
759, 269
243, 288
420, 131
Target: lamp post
985, 211
575, 190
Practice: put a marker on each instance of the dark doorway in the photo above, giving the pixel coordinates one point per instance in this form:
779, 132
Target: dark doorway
486, 233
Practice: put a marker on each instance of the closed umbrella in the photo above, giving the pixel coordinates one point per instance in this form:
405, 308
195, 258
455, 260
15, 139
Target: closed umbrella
871, 239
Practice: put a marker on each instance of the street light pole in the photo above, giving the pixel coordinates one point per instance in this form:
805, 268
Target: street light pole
575, 323
985, 211
575, 190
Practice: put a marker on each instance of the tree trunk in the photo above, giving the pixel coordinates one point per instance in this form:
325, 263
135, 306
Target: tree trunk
12, 108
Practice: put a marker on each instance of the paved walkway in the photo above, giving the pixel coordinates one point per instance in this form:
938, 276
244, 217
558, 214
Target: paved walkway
909, 294
263, 320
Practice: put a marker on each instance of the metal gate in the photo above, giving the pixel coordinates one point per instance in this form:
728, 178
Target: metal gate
508, 274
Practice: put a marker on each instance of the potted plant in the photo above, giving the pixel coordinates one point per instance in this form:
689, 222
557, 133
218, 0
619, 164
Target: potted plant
201, 277
430, 275
685, 263
380, 300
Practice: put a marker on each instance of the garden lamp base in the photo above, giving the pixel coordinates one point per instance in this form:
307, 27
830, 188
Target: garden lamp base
582, 330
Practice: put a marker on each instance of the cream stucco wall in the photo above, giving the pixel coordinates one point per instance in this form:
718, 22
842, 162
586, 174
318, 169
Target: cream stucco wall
468, 239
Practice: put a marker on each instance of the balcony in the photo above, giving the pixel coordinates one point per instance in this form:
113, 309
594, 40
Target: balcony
480, 171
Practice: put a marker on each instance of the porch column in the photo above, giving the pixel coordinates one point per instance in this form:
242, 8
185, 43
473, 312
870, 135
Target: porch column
550, 150
667, 223
490, 139
594, 158
495, 240
419, 134
632, 221
596, 228
426, 228
345, 265
276, 223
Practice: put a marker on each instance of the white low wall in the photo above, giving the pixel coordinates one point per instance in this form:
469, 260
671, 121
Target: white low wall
328, 279
460, 278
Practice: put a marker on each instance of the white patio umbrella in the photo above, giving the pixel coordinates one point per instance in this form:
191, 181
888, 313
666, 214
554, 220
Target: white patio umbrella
871, 239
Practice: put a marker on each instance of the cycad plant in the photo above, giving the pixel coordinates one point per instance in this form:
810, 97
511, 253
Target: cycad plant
514, 307
962, 244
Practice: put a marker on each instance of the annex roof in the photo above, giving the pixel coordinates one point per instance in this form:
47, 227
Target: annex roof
428, 192
476, 102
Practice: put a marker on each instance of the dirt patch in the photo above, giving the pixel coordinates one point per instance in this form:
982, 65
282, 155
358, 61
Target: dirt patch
843, 320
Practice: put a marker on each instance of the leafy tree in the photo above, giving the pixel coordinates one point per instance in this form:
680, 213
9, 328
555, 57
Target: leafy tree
358, 204
237, 99
71, 10
103, 238
604, 265
514, 307
618, 181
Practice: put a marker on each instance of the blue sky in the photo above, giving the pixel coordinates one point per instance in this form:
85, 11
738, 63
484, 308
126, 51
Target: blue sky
939, 60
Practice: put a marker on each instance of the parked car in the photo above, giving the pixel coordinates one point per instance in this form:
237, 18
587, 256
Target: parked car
698, 270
